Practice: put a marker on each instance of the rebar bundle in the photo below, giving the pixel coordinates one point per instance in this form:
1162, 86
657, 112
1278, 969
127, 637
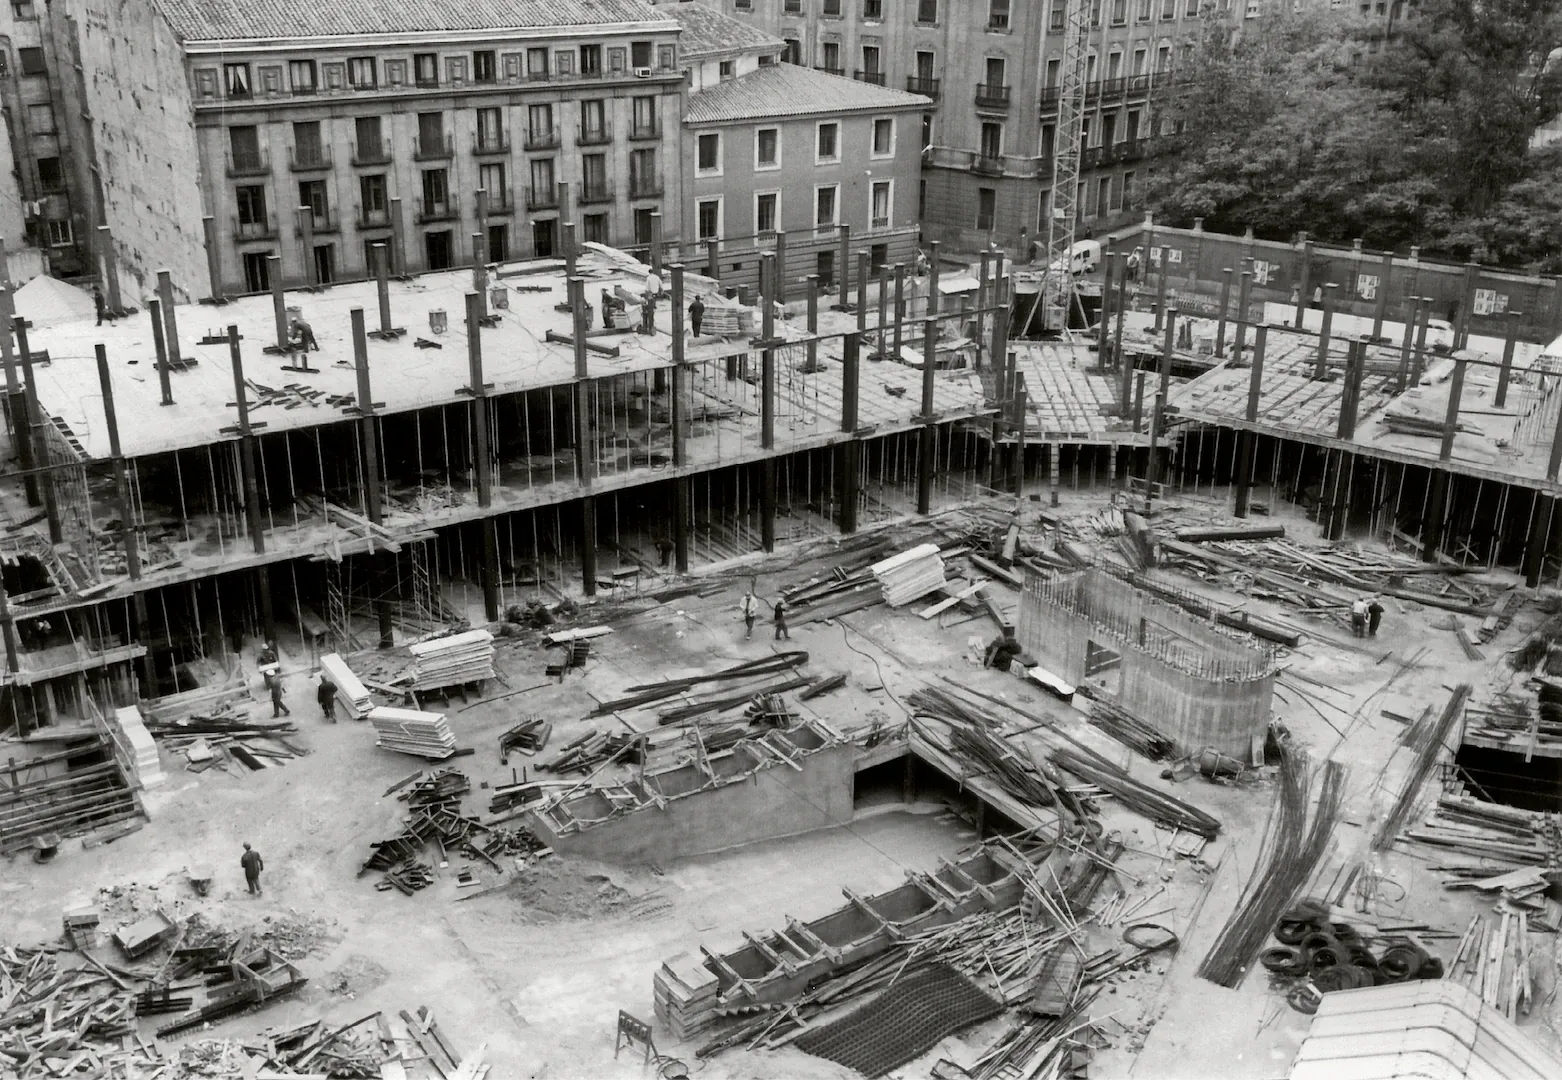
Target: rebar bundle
1286, 861
1130, 730
646, 693
1153, 804
1427, 740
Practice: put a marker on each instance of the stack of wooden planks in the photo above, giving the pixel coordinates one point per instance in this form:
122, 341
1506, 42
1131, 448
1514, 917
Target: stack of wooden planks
65, 793
353, 695
453, 661
139, 746
1493, 959
1493, 833
408, 731
910, 575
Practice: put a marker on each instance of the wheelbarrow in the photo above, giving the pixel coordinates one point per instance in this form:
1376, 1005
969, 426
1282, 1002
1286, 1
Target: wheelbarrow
201, 880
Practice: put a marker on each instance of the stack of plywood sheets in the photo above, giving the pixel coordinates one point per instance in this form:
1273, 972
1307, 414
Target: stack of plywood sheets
349, 690
139, 742
408, 731
910, 575
454, 660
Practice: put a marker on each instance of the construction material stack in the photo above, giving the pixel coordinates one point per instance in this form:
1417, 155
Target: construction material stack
910, 575
353, 695
139, 745
408, 731
453, 661
686, 997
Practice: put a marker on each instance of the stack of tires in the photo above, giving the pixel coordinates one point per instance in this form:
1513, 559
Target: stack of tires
1332, 956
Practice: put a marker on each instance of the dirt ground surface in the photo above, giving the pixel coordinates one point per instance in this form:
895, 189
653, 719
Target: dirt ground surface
538, 970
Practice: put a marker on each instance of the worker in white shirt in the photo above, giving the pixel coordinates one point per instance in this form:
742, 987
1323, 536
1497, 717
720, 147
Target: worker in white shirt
653, 289
1358, 617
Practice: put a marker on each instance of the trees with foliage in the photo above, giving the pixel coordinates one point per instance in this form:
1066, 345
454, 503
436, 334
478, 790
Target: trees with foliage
1315, 121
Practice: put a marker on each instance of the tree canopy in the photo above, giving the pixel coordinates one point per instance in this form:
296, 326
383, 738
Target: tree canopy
1318, 121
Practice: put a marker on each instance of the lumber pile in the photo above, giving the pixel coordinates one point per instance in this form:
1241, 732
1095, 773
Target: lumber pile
409, 731
910, 575
1500, 837
529, 737
39, 803
592, 749
353, 695
1230, 532
453, 660
1494, 960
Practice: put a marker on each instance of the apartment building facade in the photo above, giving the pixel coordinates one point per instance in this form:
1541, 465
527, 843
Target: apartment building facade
992, 69
777, 147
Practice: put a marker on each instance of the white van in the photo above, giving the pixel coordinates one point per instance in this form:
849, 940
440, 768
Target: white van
1084, 257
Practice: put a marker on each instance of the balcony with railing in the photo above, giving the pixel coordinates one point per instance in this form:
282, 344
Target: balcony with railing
839, 73
645, 131
490, 142
1111, 88
320, 221
263, 229
1049, 98
251, 163
593, 135
373, 219
1012, 165
542, 138
446, 209
500, 204
992, 96
1138, 84
596, 192
542, 198
987, 165
435, 148
645, 185
375, 152
876, 78
925, 87
308, 158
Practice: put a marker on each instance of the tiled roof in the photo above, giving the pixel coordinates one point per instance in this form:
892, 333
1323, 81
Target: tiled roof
230, 20
707, 33
781, 90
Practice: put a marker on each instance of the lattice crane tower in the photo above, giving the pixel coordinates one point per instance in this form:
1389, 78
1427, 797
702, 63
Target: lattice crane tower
1058, 282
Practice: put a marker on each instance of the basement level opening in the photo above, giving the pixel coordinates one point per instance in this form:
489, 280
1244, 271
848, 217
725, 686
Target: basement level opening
1502, 776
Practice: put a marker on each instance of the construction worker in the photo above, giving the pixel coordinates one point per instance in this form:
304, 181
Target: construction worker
1358, 617
99, 303
749, 605
696, 315
1133, 264
780, 610
665, 548
278, 706
252, 865
302, 336
1374, 616
326, 696
653, 289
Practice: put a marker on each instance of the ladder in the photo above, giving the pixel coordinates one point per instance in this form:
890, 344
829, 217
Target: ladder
1063, 210
335, 604
425, 605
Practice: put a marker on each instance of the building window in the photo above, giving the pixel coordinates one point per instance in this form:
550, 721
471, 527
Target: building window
1168, 9
493, 179
997, 14
927, 130
32, 62
1128, 191
373, 203
425, 69
708, 212
882, 202
986, 207
244, 146
884, 137
646, 117
708, 154
831, 53
60, 233
498, 243
1192, 9
727, 69
927, 11
490, 129
593, 120
252, 204
792, 7
992, 140
51, 177
23, 9
593, 176
767, 148
1055, 18
362, 73
370, 140
539, 125
536, 63
235, 77
1163, 59
873, 9
832, 7
1119, 12
257, 271
870, 64
438, 252
765, 216
644, 182
436, 191
485, 66
542, 187
307, 147
325, 263
640, 54
594, 229
829, 147
825, 208
743, 5
591, 60
302, 76
312, 193
793, 53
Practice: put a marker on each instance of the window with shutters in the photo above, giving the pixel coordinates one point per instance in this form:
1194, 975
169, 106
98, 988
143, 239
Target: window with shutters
362, 73
708, 219
485, 66
425, 69
537, 64
883, 137
301, 76
252, 204
766, 204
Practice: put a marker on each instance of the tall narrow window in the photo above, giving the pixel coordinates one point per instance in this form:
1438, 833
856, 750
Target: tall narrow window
825, 205
707, 159
927, 11
591, 60
536, 63
884, 137
767, 148
644, 180
882, 203
829, 149
593, 176
313, 194
485, 66
491, 178
308, 150
986, 208
765, 212
362, 72
647, 119
235, 78
243, 146
425, 69
708, 219
301, 76
998, 15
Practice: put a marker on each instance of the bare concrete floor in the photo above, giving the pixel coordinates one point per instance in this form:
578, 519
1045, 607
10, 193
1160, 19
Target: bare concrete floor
538, 973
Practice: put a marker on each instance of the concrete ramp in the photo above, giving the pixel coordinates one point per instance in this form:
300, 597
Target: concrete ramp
1432, 1029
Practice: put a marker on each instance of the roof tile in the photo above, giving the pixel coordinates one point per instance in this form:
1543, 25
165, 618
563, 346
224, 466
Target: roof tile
708, 33
229, 20
781, 90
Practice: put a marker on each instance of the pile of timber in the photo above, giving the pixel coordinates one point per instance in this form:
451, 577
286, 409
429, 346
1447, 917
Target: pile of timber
453, 661
1493, 960
1496, 835
592, 749
1516, 727
38, 802
353, 695
910, 575
408, 731
727, 320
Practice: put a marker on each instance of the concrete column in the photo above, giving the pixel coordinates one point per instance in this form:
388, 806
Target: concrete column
1304, 282
566, 211
398, 237
127, 526
588, 544
1168, 351
480, 269
851, 380
1125, 369
257, 527
883, 312
39, 485
13, 385
1537, 538
778, 289
278, 299
1350, 399
110, 269
656, 242
1138, 413
1021, 413
306, 245
381, 259
1419, 364
900, 308
1451, 421
811, 358
843, 264
927, 438
567, 229
480, 248
165, 296
680, 376
154, 309
1508, 344
1225, 306
932, 279
1320, 365
848, 463
482, 454
1160, 290
213, 259
1555, 461
862, 291
1436, 508
713, 260
1244, 295
982, 302
1103, 331
384, 562
1385, 272
1466, 305
769, 271
1404, 348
